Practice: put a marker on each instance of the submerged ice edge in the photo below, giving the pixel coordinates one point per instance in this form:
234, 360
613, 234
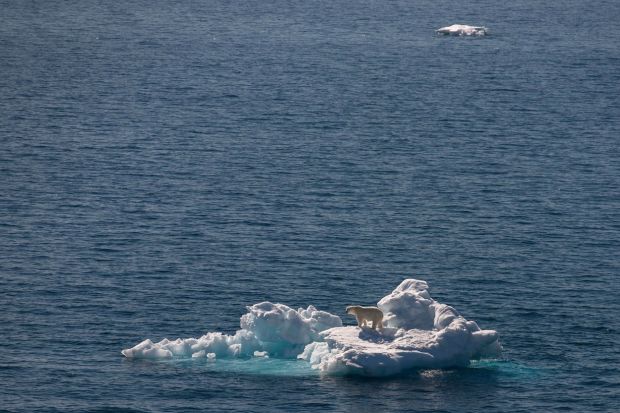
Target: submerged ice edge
419, 333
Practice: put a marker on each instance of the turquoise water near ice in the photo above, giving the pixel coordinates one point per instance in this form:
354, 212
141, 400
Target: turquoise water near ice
164, 164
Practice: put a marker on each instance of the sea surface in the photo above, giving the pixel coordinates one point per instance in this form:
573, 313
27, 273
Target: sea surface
163, 164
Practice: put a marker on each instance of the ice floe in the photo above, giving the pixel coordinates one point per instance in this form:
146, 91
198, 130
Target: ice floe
267, 329
419, 333
463, 30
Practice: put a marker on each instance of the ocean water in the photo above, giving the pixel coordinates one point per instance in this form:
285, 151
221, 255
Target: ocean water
164, 164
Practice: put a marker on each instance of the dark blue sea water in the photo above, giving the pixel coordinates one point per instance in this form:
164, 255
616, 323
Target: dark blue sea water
163, 164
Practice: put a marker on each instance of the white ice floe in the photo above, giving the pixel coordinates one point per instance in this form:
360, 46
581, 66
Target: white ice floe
463, 30
419, 333
267, 329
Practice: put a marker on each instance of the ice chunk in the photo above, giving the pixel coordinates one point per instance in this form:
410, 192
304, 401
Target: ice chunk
277, 323
148, 350
408, 306
463, 30
411, 306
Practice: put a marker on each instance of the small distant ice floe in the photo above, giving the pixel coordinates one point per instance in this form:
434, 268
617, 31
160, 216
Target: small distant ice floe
463, 30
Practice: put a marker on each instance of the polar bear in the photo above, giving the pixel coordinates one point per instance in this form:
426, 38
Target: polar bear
364, 314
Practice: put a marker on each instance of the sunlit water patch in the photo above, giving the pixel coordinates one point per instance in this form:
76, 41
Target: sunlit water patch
261, 366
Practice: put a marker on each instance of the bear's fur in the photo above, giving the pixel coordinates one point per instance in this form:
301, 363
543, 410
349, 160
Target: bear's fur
365, 314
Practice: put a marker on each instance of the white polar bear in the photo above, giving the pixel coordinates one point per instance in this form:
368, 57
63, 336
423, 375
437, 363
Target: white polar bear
364, 314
